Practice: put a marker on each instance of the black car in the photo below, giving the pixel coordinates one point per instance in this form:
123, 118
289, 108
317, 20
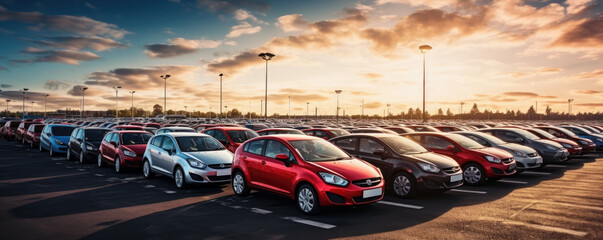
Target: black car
84, 143
406, 166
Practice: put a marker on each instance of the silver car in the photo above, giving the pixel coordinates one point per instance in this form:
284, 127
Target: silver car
525, 157
188, 158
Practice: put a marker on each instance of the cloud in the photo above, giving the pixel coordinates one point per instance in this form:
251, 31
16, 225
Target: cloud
62, 56
4, 85
56, 85
236, 64
533, 72
178, 47
371, 75
292, 90
431, 4
141, 78
241, 29
64, 23
588, 92
361, 93
598, 73
241, 15
230, 6
587, 34
292, 22
372, 105
526, 94
78, 43
589, 104
89, 5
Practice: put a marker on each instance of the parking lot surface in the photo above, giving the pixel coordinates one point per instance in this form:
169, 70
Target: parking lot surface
43, 197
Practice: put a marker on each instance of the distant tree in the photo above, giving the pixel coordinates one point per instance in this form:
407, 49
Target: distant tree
418, 113
410, 113
449, 113
531, 111
440, 112
474, 110
157, 109
234, 113
548, 110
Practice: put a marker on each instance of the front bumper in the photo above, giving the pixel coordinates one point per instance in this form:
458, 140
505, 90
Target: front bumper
528, 162
589, 148
555, 156
438, 181
348, 195
207, 175
500, 170
574, 151
134, 162
59, 148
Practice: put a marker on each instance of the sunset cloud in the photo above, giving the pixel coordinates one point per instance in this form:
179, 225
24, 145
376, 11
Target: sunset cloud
242, 29
78, 43
178, 47
141, 78
526, 94
292, 22
598, 73
589, 92
230, 6
63, 56
56, 85
587, 34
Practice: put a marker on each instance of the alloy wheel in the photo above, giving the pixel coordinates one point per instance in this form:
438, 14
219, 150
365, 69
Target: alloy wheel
146, 169
238, 184
179, 178
472, 174
117, 165
305, 199
402, 185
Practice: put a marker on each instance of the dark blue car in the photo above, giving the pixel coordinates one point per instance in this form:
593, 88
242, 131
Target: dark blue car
584, 133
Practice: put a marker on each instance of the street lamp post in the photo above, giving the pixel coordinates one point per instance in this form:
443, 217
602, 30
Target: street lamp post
266, 56
32, 106
7, 101
221, 75
132, 108
569, 106
116, 101
45, 96
424, 49
165, 77
337, 112
23, 92
185, 112
82, 113
307, 113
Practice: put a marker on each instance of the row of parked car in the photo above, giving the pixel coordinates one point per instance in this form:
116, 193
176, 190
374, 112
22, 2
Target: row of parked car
321, 166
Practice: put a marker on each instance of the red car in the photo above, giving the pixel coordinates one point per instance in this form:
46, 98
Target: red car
153, 125
123, 149
312, 171
272, 131
231, 137
325, 133
21, 131
449, 128
201, 127
423, 128
10, 129
477, 161
32, 136
127, 127
586, 144
572, 147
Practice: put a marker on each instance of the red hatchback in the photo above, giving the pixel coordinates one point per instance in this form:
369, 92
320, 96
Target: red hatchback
310, 170
231, 137
10, 129
123, 149
477, 161
21, 130
572, 147
32, 136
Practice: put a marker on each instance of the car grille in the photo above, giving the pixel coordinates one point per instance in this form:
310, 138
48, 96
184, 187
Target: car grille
452, 169
219, 178
220, 166
365, 182
363, 200
534, 154
507, 160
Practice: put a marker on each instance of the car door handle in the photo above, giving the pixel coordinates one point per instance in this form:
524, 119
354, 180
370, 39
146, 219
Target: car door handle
263, 162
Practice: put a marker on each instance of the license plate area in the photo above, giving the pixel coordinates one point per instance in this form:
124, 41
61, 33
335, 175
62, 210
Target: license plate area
223, 172
372, 193
456, 178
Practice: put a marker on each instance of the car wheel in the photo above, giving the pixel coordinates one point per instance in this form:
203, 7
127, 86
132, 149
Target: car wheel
239, 185
40, 147
68, 155
474, 174
117, 165
307, 200
31, 145
50, 152
403, 185
146, 170
82, 158
99, 161
179, 178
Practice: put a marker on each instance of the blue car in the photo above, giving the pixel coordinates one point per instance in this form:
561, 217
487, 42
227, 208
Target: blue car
584, 133
55, 137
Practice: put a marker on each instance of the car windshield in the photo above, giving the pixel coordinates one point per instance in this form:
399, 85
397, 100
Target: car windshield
62, 130
96, 135
14, 124
464, 141
583, 129
135, 138
339, 132
526, 134
38, 128
543, 133
240, 136
198, 144
490, 138
566, 132
402, 145
318, 150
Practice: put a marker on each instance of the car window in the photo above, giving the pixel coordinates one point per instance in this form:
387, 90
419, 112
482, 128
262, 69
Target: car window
136, 138
210, 132
240, 136
348, 144
75, 132
95, 135
274, 147
369, 146
435, 142
31, 128
321, 134
254, 147
197, 144
167, 144
62, 130
108, 137
220, 136
416, 138
478, 140
115, 138
157, 141
507, 136
80, 134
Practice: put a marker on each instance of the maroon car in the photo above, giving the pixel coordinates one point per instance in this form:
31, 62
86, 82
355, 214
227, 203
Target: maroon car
10, 129
123, 149
586, 144
32, 135
21, 131
127, 127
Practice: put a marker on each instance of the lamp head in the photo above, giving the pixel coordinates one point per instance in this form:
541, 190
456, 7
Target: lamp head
424, 48
84, 89
221, 74
266, 56
338, 91
25, 89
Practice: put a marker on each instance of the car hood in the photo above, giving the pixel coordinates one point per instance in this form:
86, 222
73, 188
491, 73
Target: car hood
549, 142
212, 157
64, 139
517, 147
562, 140
502, 154
353, 169
440, 161
137, 148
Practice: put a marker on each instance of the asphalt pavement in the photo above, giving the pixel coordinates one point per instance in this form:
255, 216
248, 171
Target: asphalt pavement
43, 197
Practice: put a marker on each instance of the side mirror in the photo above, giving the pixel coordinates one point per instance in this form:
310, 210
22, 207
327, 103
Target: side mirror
451, 148
284, 158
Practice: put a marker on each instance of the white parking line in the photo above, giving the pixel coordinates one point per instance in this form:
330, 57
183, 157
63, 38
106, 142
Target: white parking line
57, 158
555, 166
400, 205
149, 186
81, 169
468, 191
536, 173
310, 222
511, 181
169, 192
99, 175
260, 211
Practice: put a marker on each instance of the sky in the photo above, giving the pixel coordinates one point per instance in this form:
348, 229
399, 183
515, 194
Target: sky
502, 55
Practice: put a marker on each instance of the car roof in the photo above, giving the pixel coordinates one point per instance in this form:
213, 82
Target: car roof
174, 128
129, 131
277, 129
184, 134
324, 129
229, 128
287, 137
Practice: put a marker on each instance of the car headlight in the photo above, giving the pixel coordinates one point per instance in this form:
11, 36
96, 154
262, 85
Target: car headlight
551, 147
428, 167
582, 142
129, 153
521, 154
333, 179
492, 159
196, 163
599, 139
59, 142
91, 147
565, 145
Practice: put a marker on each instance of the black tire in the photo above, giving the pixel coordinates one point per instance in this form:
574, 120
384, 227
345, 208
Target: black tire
50, 151
180, 178
68, 155
239, 184
147, 170
117, 164
474, 174
40, 147
306, 200
99, 161
82, 157
403, 185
